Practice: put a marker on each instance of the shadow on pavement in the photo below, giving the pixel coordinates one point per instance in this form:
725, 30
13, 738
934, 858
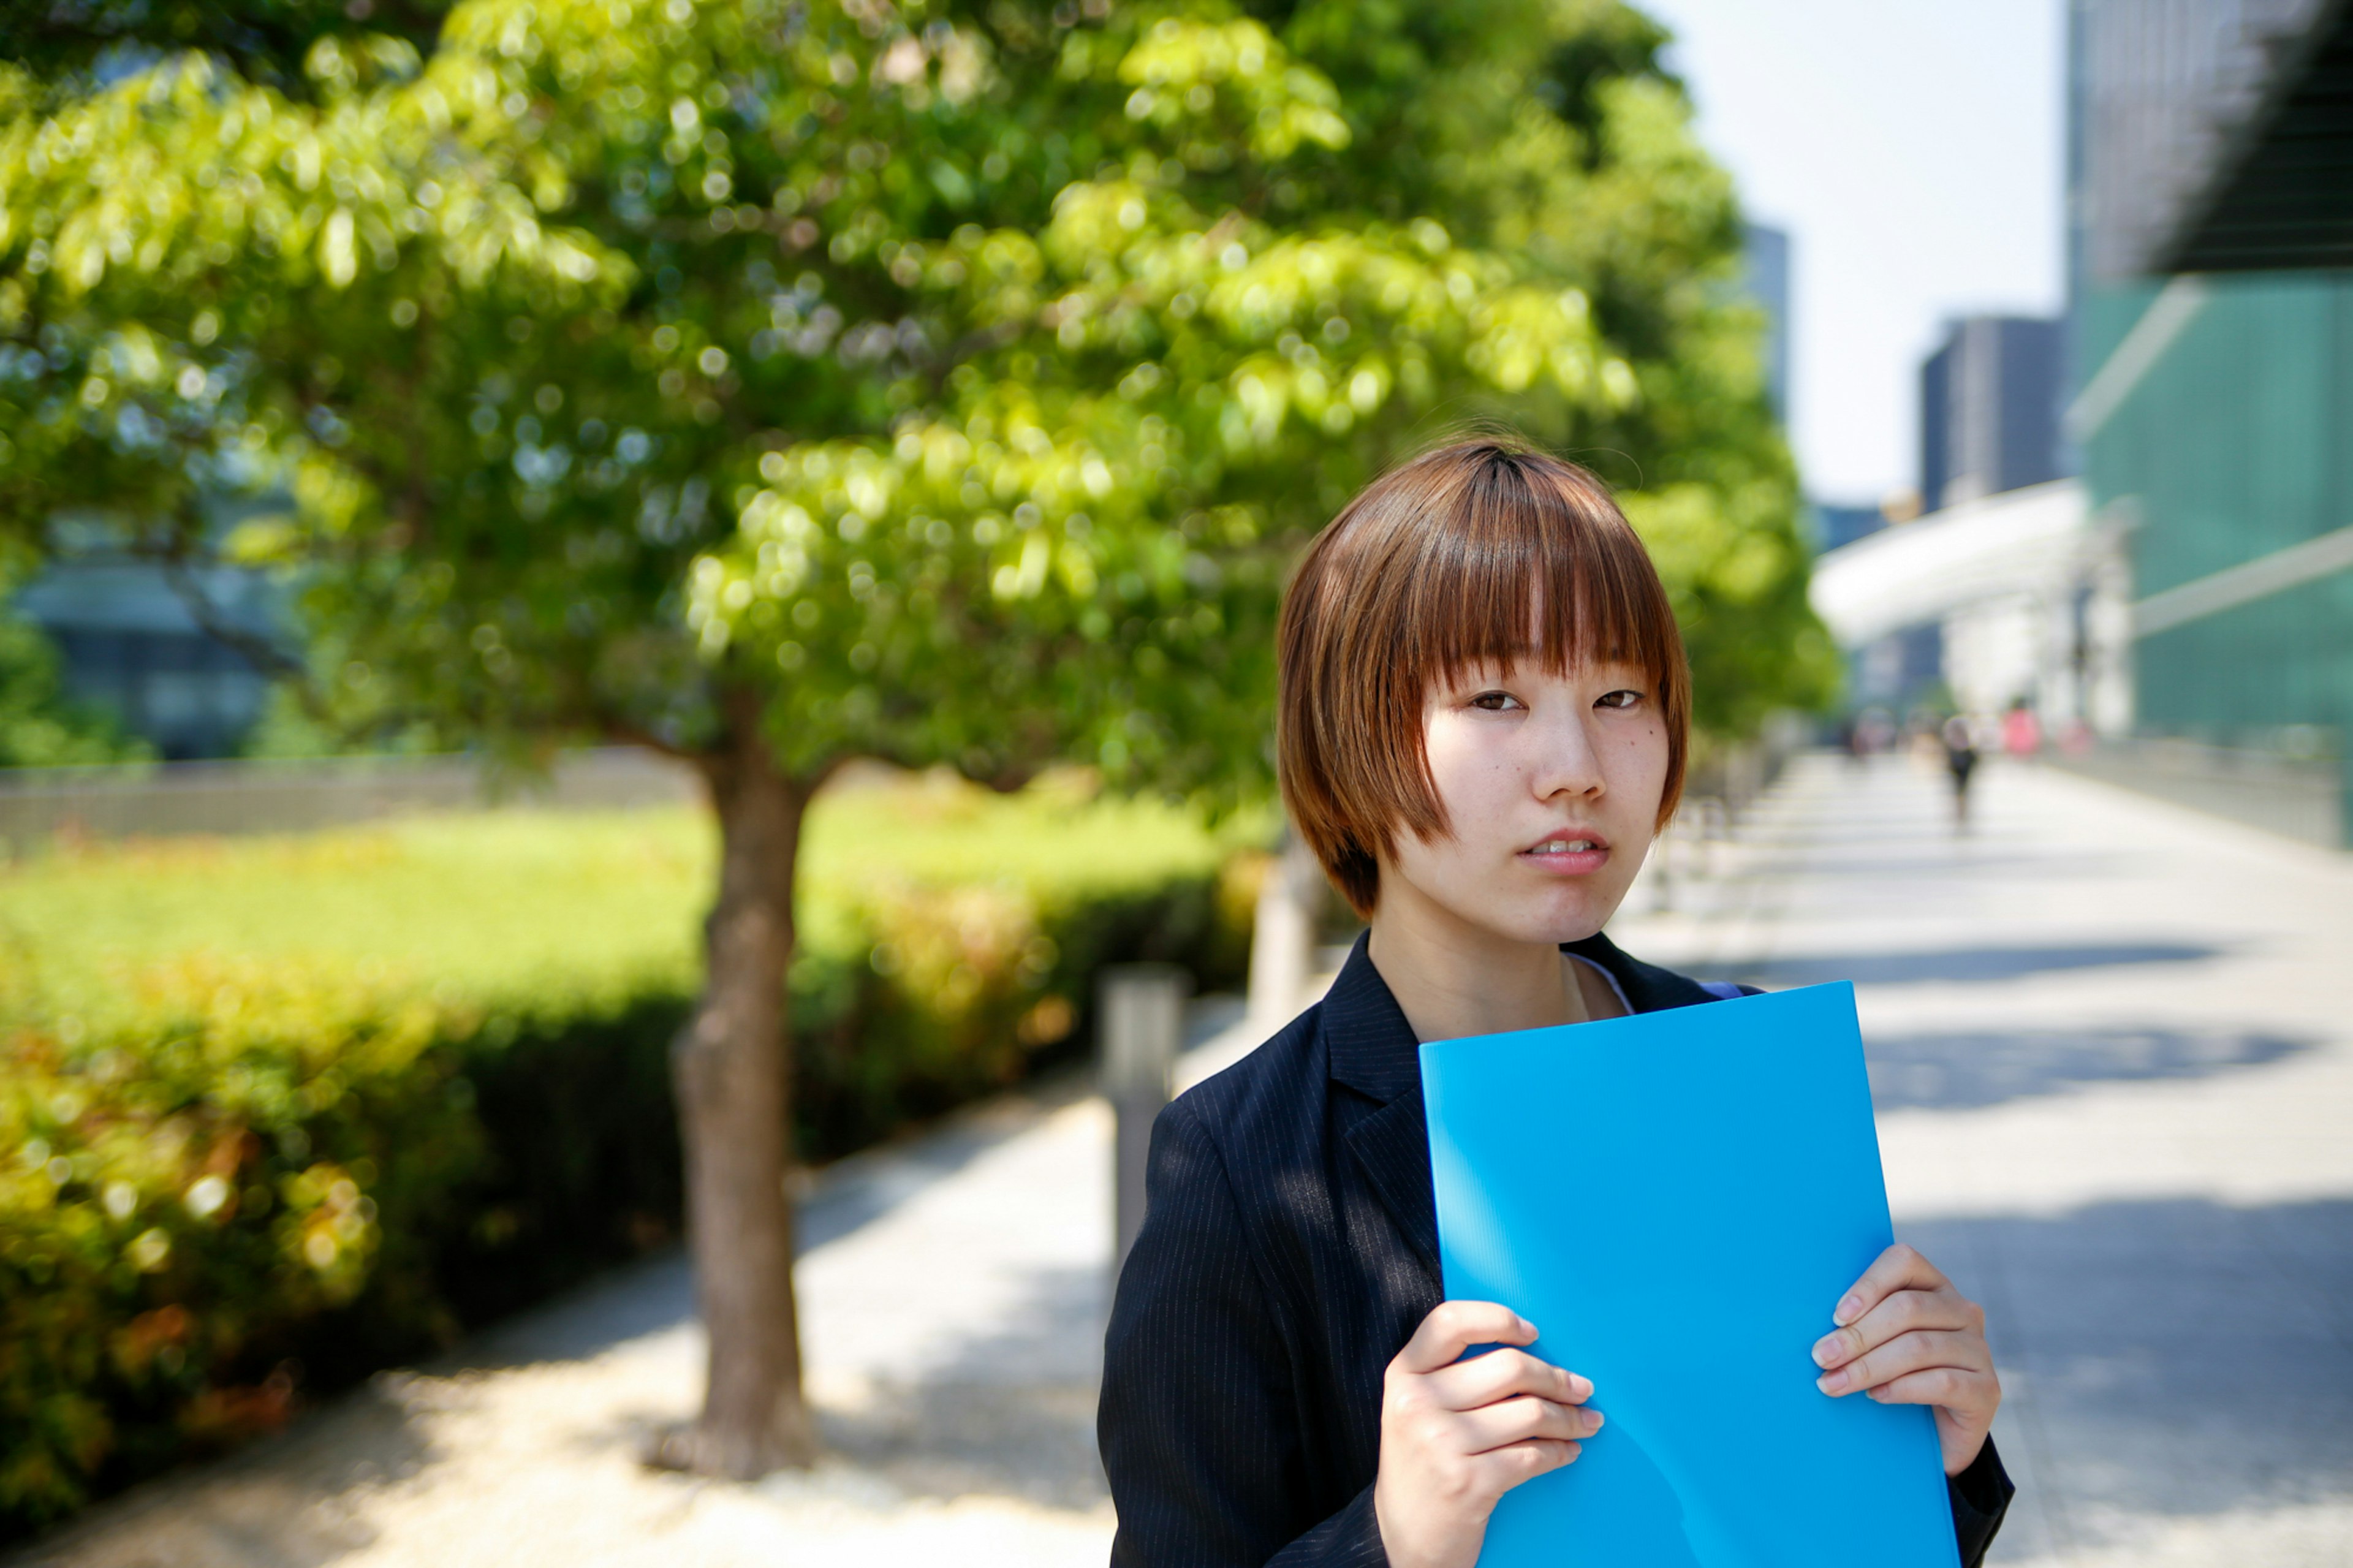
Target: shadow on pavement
657, 1293
1011, 1413
1965, 1071
2179, 1357
1968, 963
254, 1508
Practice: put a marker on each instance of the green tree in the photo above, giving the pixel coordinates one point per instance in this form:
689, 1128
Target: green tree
778, 383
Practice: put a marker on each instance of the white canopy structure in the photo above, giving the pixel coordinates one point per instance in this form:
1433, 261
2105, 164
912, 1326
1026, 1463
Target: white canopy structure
2031, 591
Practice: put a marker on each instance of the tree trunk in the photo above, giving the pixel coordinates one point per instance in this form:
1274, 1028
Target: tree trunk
732, 1066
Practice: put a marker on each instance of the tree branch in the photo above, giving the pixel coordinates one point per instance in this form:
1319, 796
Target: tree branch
258, 650
629, 733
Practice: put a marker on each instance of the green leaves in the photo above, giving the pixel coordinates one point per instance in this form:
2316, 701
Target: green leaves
960, 377
1207, 85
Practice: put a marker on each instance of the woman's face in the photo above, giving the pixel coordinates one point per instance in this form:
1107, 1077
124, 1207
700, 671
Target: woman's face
1551, 784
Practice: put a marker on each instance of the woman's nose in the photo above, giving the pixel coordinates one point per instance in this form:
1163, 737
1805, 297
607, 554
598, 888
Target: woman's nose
1567, 761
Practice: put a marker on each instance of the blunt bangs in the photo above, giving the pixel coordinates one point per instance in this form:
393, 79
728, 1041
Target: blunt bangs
1480, 552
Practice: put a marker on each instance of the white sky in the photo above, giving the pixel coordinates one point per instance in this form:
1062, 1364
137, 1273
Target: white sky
1914, 150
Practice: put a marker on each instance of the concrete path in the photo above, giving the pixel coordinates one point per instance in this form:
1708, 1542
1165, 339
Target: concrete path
2111, 1046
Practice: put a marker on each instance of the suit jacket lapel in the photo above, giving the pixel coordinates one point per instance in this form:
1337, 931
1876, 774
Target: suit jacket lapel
1392, 1145
1373, 1051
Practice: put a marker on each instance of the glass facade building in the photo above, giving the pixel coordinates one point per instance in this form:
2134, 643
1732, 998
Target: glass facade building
2212, 350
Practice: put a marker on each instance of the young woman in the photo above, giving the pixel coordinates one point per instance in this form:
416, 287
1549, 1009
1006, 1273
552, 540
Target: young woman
1482, 722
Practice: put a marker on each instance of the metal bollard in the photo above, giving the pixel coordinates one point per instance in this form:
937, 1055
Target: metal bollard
1141, 1011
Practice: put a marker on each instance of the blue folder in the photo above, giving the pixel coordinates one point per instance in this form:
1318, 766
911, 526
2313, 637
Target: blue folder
1677, 1200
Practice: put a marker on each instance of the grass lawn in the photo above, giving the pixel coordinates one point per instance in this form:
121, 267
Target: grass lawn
502, 906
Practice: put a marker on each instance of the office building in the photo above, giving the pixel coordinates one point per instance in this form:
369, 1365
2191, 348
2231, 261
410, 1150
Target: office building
2211, 174
128, 644
2004, 591
1765, 278
1836, 527
1989, 409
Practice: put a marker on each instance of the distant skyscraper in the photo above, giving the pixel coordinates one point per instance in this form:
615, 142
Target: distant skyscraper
1989, 409
1764, 269
1841, 525
1935, 425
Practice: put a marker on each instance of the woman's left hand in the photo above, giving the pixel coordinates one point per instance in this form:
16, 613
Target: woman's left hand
1906, 1336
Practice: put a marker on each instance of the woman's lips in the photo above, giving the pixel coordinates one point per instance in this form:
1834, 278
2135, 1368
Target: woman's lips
1567, 854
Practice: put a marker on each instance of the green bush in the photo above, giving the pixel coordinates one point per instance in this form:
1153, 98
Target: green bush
416, 1075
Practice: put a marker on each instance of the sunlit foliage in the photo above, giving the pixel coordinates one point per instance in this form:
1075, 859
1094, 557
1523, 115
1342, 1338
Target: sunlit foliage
959, 378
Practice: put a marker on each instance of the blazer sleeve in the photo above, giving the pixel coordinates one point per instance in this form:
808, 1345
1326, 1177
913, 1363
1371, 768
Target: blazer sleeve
1199, 1422
1980, 1496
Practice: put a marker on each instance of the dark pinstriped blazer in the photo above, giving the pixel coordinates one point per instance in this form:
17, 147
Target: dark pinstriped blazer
1289, 1250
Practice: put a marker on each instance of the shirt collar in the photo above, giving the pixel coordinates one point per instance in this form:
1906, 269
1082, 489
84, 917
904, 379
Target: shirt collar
1373, 1049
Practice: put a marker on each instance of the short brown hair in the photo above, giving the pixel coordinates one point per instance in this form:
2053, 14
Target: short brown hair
1435, 566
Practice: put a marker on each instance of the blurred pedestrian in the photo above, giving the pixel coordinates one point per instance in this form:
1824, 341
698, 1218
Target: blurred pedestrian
1876, 732
2022, 730
1960, 761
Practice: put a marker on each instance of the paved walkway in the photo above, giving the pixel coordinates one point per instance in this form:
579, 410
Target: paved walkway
2112, 1050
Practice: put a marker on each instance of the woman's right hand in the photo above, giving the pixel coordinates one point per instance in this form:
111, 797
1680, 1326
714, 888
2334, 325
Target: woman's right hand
1457, 1435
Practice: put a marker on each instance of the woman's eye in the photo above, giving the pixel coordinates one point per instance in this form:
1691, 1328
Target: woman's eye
1495, 701
1619, 699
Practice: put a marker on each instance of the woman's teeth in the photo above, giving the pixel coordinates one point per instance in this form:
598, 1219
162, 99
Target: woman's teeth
1563, 846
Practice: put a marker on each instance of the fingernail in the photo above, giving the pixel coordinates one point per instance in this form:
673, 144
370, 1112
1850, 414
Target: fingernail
1593, 1421
1831, 1381
1827, 1349
1848, 1311
1526, 1328
1581, 1387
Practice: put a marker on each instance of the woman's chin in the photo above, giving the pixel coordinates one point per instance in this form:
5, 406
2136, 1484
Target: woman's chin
1566, 915
1546, 927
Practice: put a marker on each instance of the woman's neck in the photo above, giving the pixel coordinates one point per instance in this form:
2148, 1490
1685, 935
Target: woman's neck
1452, 979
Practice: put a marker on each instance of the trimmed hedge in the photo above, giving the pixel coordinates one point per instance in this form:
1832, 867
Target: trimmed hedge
229, 1179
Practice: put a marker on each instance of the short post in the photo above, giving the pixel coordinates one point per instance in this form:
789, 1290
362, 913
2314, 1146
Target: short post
1141, 1011
1282, 936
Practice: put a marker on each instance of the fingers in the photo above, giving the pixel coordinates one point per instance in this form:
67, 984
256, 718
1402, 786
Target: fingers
1908, 1353
1498, 1470
1454, 1326
1500, 1374
1952, 1388
1520, 1420
1964, 1404
1902, 1312
1897, 1269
